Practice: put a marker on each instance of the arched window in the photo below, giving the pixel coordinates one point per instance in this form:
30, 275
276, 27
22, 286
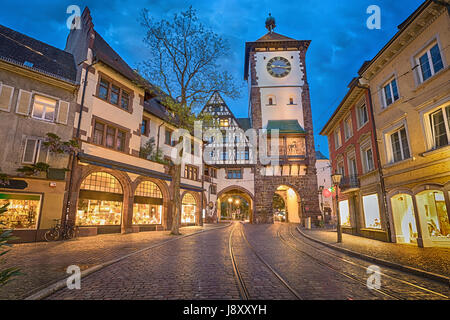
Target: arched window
291, 100
148, 204
100, 200
188, 209
270, 101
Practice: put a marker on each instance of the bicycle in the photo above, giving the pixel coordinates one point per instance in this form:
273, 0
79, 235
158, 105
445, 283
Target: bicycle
64, 231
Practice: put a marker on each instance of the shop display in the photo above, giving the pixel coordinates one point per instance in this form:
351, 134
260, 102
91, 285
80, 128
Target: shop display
99, 212
146, 214
23, 211
188, 209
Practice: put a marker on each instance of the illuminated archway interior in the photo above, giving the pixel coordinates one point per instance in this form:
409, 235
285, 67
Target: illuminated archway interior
291, 210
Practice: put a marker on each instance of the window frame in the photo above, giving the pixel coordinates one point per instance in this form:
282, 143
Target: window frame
391, 148
348, 125
430, 128
44, 113
233, 177
427, 51
358, 114
116, 129
337, 137
121, 90
36, 152
391, 91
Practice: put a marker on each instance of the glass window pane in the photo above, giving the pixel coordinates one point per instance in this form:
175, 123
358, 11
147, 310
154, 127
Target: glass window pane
115, 94
49, 113
344, 212
29, 153
405, 145
425, 67
372, 211
121, 141
125, 100
103, 89
394, 89
396, 151
439, 131
98, 134
110, 133
387, 95
38, 110
436, 58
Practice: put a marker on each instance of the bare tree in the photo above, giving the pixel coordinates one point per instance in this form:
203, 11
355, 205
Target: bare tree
183, 61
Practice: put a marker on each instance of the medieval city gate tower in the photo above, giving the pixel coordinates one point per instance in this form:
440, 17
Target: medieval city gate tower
275, 69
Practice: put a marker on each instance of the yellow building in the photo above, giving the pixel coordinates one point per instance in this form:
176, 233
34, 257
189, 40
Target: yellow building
409, 81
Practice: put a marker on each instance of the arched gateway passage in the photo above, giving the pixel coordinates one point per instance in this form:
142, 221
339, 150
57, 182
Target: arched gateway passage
235, 203
286, 205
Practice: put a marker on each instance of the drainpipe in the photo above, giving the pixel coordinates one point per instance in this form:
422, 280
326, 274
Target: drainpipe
77, 137
380, 170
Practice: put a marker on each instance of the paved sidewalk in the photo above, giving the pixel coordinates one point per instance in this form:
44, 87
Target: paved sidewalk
435, 260
44, 263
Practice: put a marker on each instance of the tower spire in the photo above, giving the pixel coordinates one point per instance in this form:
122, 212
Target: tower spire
270, 23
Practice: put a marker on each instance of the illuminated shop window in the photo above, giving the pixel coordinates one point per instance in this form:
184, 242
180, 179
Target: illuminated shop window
372, 211
404, 219
148, 204
101, 181
23, 211
100, 201
344, 211
188, 207
431, 205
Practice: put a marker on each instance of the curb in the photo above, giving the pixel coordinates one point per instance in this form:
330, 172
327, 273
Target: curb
415, 271
49, 290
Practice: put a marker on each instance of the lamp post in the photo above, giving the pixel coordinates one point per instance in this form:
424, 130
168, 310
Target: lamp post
336, 181
230, 201
237, 202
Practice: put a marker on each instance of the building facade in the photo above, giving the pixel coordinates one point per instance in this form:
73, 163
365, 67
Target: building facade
409, 84
37, 94
118, 180
353, 154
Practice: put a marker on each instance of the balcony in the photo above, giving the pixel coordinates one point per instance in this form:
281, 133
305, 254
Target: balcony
349, 183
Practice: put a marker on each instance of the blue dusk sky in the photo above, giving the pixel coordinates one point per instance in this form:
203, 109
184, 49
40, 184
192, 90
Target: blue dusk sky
341, 41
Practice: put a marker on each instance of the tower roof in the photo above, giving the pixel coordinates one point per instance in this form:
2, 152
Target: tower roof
273, 36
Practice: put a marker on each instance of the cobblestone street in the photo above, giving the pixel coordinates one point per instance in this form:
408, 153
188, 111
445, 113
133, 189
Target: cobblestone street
273, 262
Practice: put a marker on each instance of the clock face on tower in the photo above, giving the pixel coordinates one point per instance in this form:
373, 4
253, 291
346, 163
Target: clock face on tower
279, 67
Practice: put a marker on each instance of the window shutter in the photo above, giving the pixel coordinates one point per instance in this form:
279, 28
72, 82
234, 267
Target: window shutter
43, 153
63, 112
6, 94
23, 102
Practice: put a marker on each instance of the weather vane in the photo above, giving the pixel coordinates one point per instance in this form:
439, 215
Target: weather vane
270, 23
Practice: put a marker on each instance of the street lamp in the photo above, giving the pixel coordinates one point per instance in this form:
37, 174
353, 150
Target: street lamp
336, 178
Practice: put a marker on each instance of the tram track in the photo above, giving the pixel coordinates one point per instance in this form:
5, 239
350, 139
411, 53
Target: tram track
244, 292
361, 266
333, 268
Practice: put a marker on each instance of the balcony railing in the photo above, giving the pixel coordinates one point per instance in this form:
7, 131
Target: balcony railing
349, 182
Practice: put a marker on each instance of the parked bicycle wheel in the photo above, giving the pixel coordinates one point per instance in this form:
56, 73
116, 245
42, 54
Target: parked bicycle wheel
51, 235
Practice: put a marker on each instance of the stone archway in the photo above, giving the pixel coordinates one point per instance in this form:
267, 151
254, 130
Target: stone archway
237, 191
292, 201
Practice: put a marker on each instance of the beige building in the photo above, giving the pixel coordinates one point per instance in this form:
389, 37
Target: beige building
37, 97
409, 81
